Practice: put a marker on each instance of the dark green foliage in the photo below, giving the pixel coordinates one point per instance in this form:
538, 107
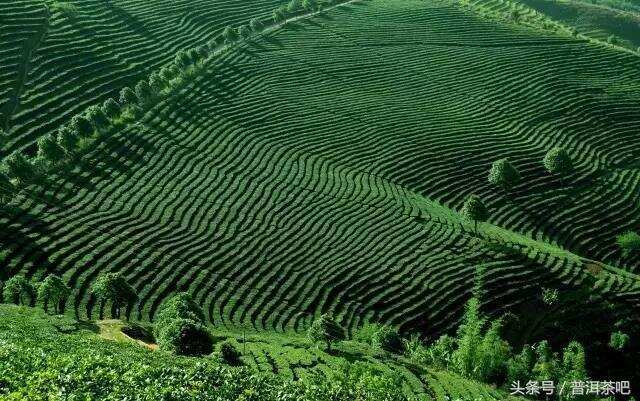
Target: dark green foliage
388, 339
309, 5
182, 59
557, 161
127, 97
82, 126
629, 242
244, 31
481, 354
18, 289
144, 93
326, 330
279, 15
547, 366
185, 337
111, 108
20, 168
474, 210
255, 24
520, 366
68, 139
440, 353
179, 306
202, 51
156, 83
50, 149
366, 332
293, 6
6, 187
167, 73
55, 291
97, 117
37, 362
114, 288
138, 332
229, 353
619, 340
229, 34
504, 174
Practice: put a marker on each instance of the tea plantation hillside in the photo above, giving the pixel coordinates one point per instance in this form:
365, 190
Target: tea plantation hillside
289, 176
55, 357
58, 57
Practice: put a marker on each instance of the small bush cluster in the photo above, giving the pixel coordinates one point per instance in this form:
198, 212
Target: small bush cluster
179, 327
51, 291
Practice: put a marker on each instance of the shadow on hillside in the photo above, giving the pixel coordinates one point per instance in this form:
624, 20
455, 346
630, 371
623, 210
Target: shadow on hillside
132, 22
19, 240
349, 356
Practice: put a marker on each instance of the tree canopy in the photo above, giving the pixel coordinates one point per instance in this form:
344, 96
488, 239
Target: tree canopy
504, 174
114, 288
325, 329
53, 289
17, 289
475, 210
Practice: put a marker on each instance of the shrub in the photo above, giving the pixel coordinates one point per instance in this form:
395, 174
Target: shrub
185, 337
229, 353
475, 210
97, 117
20, 168
49, 148
127, 97
504, 174
550, 296
309, 5
293, 6
17, 289
182, 59
156, 83
255, 24
557, 161
114, 288
179, 306
82, 126
279, 15
618, 340
365, 333
440, 353
229, 35
143, 92
325, 329
68, 139
388, 339
520, 366
629, 242
243, 31
111, 108
53, 289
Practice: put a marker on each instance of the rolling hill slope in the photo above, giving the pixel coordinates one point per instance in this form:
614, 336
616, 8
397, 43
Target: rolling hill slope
293, 175
60, 57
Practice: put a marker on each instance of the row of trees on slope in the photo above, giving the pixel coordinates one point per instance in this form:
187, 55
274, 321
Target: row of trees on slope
88, 126
505, 175
50, 291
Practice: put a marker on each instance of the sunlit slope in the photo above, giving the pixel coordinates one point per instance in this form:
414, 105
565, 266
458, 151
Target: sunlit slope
56, 58
288, 179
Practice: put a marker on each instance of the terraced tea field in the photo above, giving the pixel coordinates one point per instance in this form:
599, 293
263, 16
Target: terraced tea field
299, 173
57, 58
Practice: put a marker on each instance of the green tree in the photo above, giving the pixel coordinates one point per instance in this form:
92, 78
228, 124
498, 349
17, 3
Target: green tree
49, 149
293, 6
309, 5
558, 161
185, 337
97, 117
520, 366
68, 139
255, 24
157, 83
17, 289
619, 340
547, 366
325, 329
111, 108
6, 187
629, 242
440, 353
243, 31
474, 210
20, 168
53, 290
388, 339
179, 306
127, 97
114, 288
182, 59
573, 367
144, 92
82, 126
229, 353
229, 34
504, 175
279, 15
